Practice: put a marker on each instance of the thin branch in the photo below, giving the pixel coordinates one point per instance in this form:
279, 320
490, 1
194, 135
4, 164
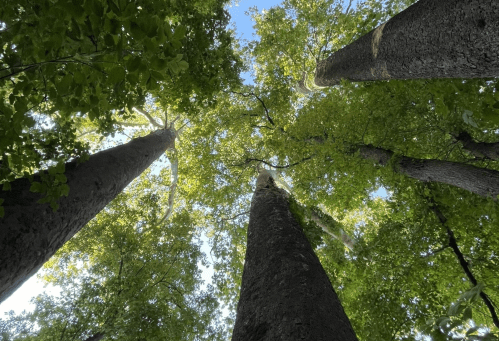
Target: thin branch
149, 117
348, 8
173, 188
433, 253
260, 100
130, 124
272, 165
462, 261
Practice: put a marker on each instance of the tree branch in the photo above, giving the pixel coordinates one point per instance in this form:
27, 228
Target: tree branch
478, 149
248, 160
173, 188
260, 100
149, 117
462, 261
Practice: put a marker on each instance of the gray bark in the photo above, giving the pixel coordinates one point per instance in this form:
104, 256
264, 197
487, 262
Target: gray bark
30, 233
285, 293
430, 39
479, 149
481, 181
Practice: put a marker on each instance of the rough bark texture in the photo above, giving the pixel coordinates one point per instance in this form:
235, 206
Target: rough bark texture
484, 182
479, 149
285, 293
430, 39
30, 233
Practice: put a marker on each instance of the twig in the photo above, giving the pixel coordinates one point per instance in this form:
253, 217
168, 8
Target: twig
260, 100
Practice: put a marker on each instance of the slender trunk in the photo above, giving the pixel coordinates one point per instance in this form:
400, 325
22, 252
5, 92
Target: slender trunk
430, 39
30, 233
285, 293
481, 181
479, 149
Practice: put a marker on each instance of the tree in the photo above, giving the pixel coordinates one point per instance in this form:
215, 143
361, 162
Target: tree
397, 276
126, 276
285, 293
32, 232
95, 60
482, 181
444, 39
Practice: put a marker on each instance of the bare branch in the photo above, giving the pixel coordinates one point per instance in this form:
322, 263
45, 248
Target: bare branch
260, 100
149, 117
173, 188
348, 8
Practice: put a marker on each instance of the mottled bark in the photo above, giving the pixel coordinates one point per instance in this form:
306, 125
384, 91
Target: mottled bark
430, 39
30, 233
285, 293
484, 182
479, 149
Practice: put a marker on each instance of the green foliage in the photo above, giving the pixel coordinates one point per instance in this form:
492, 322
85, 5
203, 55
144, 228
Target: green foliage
302, 215
400, 280
63, 61
128, 277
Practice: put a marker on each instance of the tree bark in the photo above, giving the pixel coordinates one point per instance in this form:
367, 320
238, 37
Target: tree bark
430, 39
479, 149
285, 292
481, 181
30, 233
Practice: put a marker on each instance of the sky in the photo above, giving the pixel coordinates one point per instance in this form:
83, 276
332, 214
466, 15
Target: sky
19, 300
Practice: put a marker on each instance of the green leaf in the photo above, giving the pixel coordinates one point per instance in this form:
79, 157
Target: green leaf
116, 74
134, 63
183, 65
36, 187
468, 314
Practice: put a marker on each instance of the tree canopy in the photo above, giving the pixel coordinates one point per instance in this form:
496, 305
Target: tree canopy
418, 261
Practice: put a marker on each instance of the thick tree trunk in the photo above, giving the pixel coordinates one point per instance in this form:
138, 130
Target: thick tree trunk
430, 39
484, 182
30, 233
285, 293
479, 149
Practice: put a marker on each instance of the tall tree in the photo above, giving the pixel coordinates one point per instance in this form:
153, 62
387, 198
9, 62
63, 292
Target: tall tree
64, 61
430, 39
128, 275
285, 293
32, 232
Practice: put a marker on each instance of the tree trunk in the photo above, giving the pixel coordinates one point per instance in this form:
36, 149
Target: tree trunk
479, 149
30, 233
285, 293
481, 181
430, 39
